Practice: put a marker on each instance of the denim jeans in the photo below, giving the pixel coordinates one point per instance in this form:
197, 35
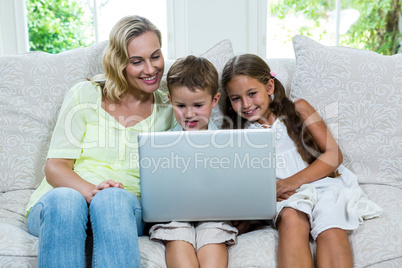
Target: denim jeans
60, 220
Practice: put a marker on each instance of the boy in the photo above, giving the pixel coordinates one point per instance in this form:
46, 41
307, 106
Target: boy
193, 92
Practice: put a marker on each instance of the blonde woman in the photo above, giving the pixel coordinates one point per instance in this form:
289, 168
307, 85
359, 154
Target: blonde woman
92, 178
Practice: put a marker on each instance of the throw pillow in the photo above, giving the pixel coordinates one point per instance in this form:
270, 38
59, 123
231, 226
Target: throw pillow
359, 95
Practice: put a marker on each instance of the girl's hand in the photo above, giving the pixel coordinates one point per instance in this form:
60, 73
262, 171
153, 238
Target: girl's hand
286, 187
104, 185
285, 196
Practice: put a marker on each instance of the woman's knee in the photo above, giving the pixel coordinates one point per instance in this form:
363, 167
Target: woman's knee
58, 208
115, 197
116, 203
64, 200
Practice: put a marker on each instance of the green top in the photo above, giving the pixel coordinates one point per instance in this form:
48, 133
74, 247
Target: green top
102, 147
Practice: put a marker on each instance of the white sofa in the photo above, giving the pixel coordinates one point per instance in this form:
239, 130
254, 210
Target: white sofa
357, 92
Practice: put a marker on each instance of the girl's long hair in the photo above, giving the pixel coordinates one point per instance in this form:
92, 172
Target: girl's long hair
253, 66
115, 57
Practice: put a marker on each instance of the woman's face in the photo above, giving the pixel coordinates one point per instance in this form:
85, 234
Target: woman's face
250, 98
145, 69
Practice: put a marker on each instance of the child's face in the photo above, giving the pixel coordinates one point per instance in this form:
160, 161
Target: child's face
250, 98
192, 109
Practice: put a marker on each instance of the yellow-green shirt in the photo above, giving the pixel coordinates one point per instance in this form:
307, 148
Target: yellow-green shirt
102, 147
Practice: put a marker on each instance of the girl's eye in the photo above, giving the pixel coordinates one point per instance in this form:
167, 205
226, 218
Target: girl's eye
252, 94
235, 99
181, 105
135, 62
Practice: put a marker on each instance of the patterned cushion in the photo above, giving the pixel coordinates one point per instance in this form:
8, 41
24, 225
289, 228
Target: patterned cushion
359, 94
32, 87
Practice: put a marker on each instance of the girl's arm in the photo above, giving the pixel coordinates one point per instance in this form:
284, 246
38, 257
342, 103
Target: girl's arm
59, 173
325, 164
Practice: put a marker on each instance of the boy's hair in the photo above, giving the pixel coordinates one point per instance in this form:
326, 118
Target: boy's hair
115, 57
253, 66
195, 73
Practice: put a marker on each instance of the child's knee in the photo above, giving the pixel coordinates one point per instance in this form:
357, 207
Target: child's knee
292, 218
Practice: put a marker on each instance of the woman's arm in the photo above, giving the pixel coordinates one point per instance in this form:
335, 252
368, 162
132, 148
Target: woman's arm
326, 163
59, 173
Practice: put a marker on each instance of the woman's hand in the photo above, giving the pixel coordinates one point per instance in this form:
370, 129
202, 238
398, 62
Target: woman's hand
104, 185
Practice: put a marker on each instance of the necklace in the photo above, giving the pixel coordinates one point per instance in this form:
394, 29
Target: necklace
266, 126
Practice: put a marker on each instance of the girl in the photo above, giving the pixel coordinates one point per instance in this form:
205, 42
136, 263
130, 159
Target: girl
316, 195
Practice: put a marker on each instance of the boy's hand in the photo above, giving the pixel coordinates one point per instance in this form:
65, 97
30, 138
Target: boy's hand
242, 226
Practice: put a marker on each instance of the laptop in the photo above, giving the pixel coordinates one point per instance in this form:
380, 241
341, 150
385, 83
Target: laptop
207, 175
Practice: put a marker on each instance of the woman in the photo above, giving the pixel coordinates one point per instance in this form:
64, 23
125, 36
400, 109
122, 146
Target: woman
92, 175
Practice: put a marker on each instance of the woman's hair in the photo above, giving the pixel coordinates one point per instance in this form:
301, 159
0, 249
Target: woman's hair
115, 57
195, 73
253, 66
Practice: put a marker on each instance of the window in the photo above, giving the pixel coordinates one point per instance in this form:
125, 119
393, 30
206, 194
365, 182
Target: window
368, 25
107, 13
59, 25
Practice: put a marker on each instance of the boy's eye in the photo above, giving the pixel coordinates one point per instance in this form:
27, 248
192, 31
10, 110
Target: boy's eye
155, 57
180, 105
198, 105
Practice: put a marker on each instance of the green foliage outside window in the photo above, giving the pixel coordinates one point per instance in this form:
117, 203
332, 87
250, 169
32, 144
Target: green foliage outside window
376, 28
57, 25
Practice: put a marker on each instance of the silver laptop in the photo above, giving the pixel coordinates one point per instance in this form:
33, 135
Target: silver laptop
207, 175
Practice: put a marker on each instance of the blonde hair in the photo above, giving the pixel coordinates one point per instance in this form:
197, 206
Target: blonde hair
195, 73
115, 57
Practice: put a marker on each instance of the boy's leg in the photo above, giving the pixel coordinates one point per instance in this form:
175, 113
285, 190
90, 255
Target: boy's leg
294, 232
213, 255
179, 239
333, 249
180, 254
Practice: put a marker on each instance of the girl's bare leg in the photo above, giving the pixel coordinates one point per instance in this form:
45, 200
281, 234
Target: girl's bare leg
180, 254
294, 232
333, 249
213, 255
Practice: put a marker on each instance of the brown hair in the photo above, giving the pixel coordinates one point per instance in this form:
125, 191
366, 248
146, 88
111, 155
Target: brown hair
255, 67
195, 73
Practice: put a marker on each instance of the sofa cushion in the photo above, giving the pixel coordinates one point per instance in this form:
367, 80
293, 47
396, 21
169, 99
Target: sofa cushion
32, 87
378, 241
358, 93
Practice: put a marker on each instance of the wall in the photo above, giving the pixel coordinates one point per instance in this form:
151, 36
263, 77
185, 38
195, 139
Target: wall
195, 26
13, 27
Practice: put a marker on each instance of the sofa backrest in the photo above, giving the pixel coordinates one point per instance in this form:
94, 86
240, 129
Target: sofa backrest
32, 88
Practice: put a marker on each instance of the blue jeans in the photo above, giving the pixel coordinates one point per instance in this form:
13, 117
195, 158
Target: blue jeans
60, 220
